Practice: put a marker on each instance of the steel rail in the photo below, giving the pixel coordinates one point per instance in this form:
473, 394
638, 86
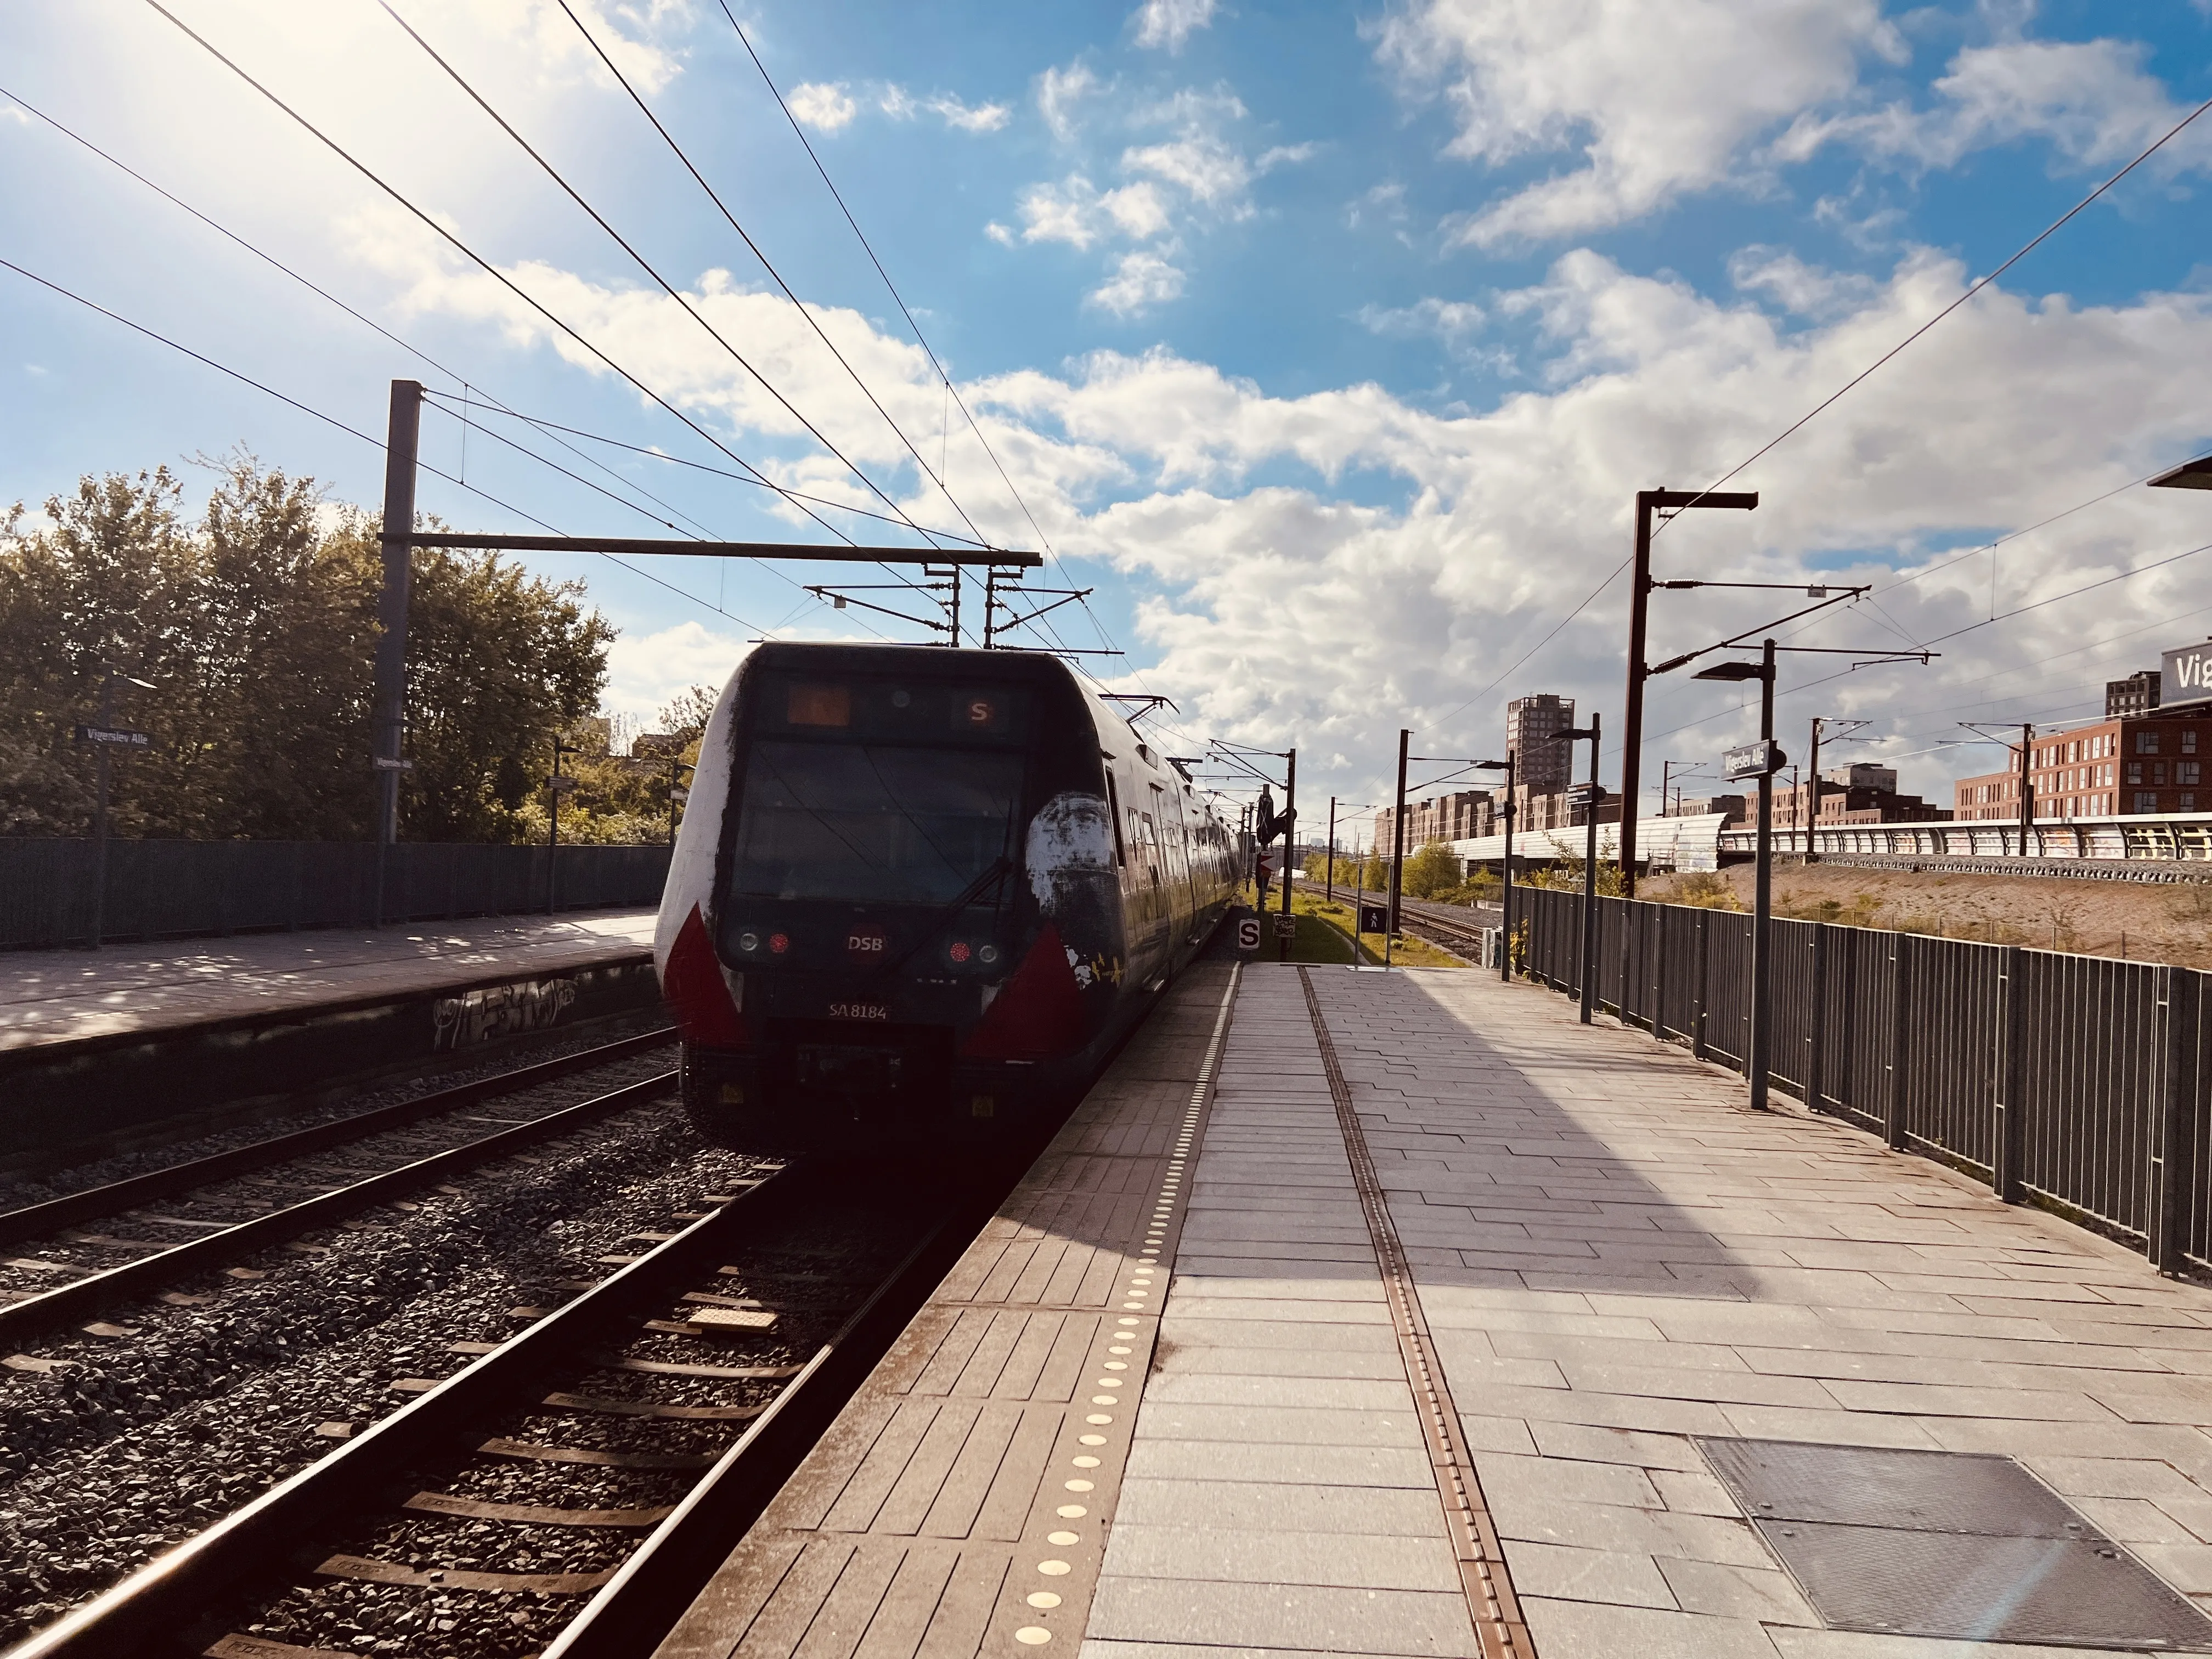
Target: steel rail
627, 1616
134, 1278
36, 1220
172, 1592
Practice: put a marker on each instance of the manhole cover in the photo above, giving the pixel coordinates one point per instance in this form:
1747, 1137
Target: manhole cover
1948, 1544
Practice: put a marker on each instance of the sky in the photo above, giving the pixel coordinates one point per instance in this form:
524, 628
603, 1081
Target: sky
1328, 346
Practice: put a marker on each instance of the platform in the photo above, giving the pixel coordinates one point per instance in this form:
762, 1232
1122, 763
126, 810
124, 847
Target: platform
1614, 1278
56, 996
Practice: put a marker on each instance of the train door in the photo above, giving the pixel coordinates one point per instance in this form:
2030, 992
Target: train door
1148, 941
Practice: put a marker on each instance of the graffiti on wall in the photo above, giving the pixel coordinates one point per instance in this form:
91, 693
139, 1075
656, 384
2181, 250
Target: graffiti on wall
500, 1011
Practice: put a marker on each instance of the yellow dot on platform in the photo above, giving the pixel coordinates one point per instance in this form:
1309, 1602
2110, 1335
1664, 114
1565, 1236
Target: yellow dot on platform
1035, 1636
1089, 1440
1087, 1462
1095, 1418
1053, 1569
1061, 1538
1071, 1512
1105, 1398
1044, 1599
1078, 1486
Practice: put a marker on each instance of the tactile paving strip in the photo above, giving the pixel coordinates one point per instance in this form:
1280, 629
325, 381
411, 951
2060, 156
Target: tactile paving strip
1948, 1544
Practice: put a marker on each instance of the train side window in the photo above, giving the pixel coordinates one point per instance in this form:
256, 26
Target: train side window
1114, 814
1151, 839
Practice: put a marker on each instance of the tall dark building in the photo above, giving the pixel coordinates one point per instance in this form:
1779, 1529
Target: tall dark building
1540, 767
2135, 695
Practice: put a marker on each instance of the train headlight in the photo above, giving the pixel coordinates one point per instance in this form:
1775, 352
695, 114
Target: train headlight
749, 942
988, 955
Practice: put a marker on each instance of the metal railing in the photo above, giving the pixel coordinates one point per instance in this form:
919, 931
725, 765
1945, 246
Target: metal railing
186, 888
2079, 1082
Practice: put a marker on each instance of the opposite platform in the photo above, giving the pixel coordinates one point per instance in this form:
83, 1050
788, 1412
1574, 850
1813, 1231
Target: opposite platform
58, 996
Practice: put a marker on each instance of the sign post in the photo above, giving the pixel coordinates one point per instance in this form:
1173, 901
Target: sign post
104, 740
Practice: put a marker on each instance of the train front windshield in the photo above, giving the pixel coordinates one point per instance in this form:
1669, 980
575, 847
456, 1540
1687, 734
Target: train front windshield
875, 824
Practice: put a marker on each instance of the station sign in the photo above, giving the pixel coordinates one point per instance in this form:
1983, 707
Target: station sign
1753, 760
1248, 932
1286, 928
561, 786
2185, 674
384, 764
1586, 794
113, 736
1374, 918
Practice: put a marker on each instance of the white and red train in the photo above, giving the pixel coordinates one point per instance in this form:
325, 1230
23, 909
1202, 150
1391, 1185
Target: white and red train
920, 893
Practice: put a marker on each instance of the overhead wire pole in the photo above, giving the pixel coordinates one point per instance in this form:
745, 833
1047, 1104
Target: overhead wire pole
390, 682
1649, 502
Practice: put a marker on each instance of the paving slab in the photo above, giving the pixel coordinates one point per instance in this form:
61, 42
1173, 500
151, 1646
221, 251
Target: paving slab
1614, 1256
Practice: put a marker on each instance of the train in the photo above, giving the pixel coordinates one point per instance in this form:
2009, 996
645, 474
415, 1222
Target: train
919, 895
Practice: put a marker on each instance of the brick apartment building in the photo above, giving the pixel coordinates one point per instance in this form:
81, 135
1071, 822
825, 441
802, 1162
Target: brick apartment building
1858, 793
2127, 763
1459, 817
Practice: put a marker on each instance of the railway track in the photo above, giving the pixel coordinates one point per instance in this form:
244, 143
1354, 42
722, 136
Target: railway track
217, 1208
1457, 928
567, 1489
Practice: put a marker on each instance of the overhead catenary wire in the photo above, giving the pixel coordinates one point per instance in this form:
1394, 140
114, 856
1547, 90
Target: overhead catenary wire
933, 475
2018, 611
651, 271
897, 299
498, 276
547, 424
351, 431
551, 429
1836, 396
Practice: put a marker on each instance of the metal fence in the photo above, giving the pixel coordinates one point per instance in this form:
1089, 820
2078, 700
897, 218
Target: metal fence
2078, 1081
181, 888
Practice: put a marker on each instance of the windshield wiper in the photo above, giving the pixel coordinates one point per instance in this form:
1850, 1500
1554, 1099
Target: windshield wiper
997, 870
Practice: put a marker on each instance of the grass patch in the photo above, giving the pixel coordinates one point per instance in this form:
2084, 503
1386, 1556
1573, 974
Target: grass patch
1324, 935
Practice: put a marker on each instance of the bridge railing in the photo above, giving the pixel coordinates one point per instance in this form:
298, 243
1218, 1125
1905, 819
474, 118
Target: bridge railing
185, 889
2078, 1082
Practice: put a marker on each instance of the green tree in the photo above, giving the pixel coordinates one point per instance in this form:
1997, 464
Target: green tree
1430, 870
498, 662
256, 630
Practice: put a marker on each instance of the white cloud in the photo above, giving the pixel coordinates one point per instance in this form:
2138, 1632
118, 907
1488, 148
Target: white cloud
980, 117
1454, 323
1077, 212
1197, 177
1204, 164
1059, 91
825, 105
901, 105
1140, 280
1285, 612
1170, 22
1661, 97
2091, 100
645, 672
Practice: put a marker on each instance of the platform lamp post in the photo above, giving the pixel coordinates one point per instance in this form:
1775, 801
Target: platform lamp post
677, 793
103, 738
1505, 897
1761, 760
1590, 796
1649, 502
1328, 866
555, 786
